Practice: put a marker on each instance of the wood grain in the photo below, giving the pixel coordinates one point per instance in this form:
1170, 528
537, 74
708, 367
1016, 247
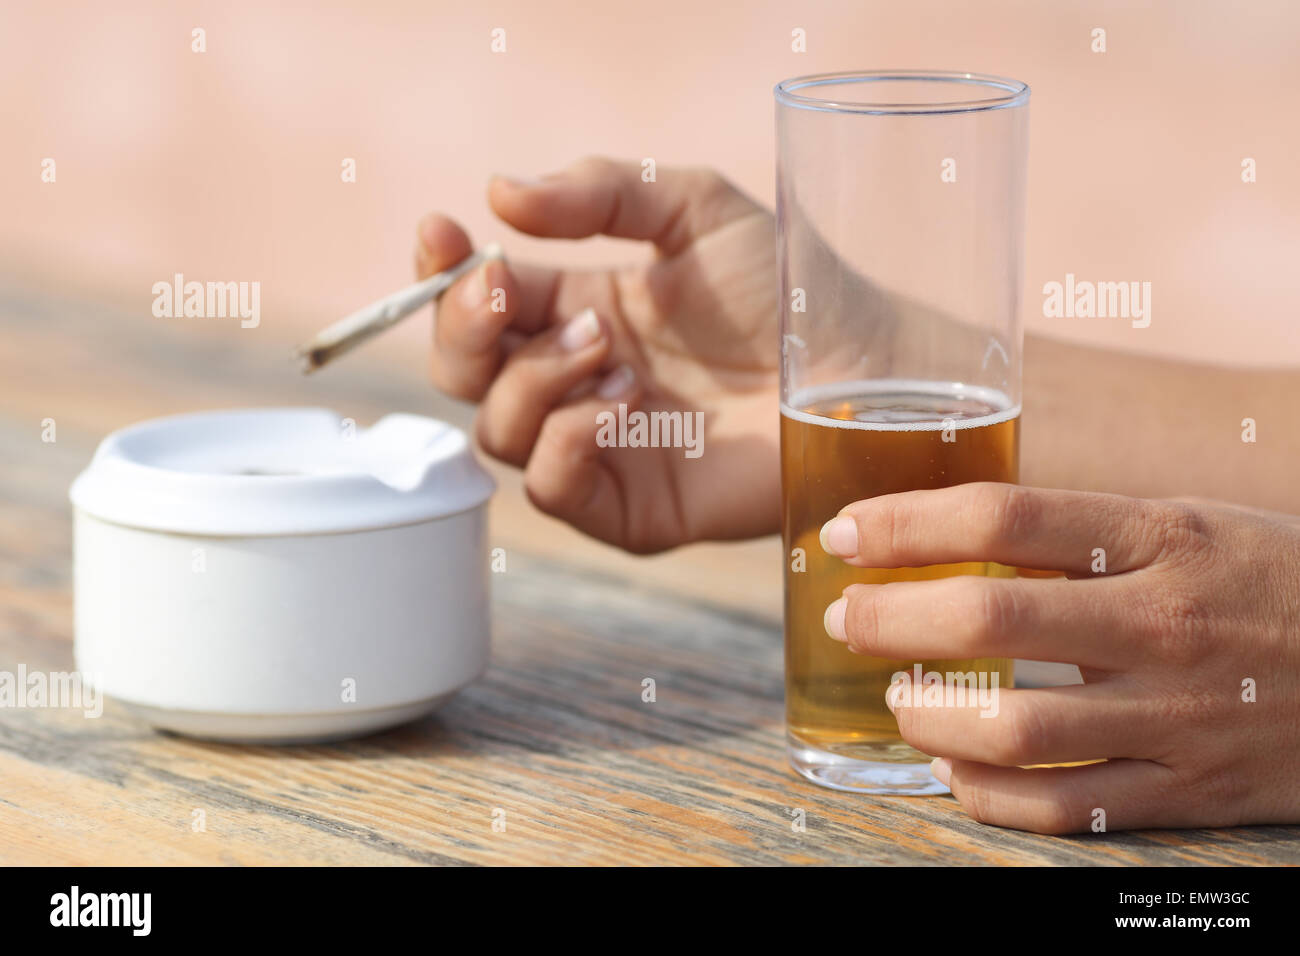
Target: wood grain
557, 735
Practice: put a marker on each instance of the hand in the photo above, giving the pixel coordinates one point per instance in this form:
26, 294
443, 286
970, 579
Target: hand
693, 329
1196, 601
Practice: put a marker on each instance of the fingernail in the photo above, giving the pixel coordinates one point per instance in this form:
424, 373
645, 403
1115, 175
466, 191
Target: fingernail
475, 290
839, 537
580, 331
833, 619
941, 767
617, 382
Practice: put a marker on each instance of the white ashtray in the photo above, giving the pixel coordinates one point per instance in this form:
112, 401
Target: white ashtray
281, 575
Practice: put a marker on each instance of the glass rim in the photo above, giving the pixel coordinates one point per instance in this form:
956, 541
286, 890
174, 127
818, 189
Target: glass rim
1013, 93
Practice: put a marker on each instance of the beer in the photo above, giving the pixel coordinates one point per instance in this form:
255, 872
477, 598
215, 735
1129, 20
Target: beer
840, 444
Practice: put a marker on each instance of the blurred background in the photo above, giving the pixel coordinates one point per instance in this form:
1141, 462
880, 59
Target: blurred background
225, 164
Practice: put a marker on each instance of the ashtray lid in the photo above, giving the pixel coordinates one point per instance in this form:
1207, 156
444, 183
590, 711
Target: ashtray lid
280, 471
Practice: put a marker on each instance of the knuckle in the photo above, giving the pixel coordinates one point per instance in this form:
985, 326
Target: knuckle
1022, 735
981, 804
593, 163
491, 439
912, 726
863, 615
891, 526
1181, 532
708, 183
540, 497
1014, 512
1058, 814
560, 440
552, 459
1049, 813
986, 613
1180, 625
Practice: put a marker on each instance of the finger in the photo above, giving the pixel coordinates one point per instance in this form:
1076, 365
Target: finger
471, 315
1019, 728
601, 196
441, 244
1075, 622
529, 300
1130, 794
565, 476
467, 330
535, 379
1010, 524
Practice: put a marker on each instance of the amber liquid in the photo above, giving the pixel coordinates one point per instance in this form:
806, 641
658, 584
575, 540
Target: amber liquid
842, 445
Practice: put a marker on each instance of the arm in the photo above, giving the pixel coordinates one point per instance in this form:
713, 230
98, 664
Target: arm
1100, 420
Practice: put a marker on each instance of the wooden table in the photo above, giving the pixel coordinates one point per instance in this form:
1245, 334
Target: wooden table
556, 740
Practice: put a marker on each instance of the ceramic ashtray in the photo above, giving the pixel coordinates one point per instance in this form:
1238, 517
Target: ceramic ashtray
280, 575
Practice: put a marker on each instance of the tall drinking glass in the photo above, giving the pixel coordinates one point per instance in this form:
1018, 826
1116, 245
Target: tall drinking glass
900, 221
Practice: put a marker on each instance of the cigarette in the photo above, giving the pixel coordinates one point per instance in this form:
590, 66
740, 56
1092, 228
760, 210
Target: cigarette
347, 333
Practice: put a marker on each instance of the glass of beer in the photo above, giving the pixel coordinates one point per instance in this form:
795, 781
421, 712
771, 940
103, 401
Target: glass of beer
900, 222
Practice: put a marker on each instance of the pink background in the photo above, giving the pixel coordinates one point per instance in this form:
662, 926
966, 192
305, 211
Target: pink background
225, 165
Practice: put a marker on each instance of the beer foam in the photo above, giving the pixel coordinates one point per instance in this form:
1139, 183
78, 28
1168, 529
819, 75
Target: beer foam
1004, 410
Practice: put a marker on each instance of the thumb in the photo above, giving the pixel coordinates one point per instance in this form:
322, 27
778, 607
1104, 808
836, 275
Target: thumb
598, 196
